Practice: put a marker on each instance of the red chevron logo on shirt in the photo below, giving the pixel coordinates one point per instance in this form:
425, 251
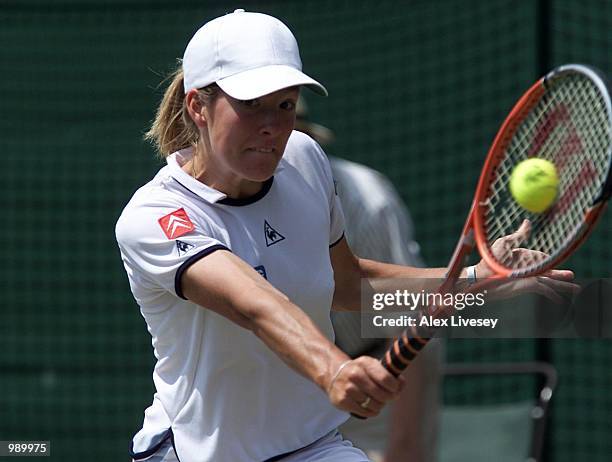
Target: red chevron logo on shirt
176, 224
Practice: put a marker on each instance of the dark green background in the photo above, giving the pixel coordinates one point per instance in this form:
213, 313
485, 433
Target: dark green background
417, 90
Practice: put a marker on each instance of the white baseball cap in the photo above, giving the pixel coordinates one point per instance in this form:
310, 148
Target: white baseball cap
248, 55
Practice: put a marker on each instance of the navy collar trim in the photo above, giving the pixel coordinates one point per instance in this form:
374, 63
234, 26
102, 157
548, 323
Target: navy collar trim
251, 199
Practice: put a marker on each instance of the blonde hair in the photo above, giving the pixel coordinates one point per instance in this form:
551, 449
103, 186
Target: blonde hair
173, 129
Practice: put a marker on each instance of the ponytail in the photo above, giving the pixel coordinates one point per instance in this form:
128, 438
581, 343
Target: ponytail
172, 129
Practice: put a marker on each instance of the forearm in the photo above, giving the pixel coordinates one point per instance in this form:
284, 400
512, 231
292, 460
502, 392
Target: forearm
353, 274
371, 269
381, 277
250, 301
292, 335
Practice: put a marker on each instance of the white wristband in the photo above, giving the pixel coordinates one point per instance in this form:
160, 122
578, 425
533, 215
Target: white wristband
342, 366
471, 274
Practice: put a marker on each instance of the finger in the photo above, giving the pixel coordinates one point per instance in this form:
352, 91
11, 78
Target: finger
527, 256
355, 385
561, 275
372, 405
366, 407
358, 410
377, 382
522, 233
402, 381
351, 399
520, 251
503, 248
386, 388
382, 377
377, 373
374, 390
544, 290
559, 285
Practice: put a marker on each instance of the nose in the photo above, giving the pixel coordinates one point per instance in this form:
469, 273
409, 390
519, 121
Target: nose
273, 122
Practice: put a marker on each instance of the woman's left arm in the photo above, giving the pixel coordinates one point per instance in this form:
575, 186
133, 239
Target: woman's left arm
350, 270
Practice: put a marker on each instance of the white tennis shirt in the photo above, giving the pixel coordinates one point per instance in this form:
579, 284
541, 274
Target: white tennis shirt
225, 395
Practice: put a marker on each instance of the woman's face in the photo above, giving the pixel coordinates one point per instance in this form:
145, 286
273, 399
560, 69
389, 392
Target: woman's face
246, 139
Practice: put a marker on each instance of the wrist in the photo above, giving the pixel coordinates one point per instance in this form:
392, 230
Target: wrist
471, 274
334, 377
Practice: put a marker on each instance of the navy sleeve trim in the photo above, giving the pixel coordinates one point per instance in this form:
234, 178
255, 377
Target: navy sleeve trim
153, 449
174, 445
337, 242
190, 261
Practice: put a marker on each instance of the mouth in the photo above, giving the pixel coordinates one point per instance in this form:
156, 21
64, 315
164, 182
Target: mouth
264, 150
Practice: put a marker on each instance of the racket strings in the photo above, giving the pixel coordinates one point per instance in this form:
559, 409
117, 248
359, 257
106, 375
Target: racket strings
570, 127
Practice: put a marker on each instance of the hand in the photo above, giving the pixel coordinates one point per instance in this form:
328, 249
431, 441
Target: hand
363, 387
506, 250
552, 285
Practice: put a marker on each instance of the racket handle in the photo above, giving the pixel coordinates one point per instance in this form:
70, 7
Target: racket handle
402, 351
405, 348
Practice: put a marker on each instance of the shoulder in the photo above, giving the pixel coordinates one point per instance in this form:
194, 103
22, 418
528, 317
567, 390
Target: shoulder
304, 155
362, 183
303, 150
300, 140
148, 204
159, 199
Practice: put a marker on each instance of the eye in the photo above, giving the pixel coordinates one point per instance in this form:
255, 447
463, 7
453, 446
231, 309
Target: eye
288, 105
250, 102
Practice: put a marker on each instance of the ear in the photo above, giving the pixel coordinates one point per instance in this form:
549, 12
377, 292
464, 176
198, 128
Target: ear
195, 107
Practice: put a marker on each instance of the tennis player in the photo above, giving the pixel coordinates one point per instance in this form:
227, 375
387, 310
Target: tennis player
235, 254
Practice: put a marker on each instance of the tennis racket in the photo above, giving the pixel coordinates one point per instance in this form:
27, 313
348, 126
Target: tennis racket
566, 118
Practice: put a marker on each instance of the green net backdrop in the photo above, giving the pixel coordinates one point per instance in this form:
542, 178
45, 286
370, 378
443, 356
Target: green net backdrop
417, 91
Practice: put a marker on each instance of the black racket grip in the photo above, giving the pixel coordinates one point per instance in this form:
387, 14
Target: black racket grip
403, 350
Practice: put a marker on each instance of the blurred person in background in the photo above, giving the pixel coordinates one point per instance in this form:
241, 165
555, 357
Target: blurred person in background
379, 227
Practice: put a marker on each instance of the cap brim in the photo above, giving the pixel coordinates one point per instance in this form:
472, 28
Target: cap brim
262, 81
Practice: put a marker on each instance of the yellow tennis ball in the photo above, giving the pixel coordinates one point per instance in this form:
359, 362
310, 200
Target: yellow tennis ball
534, 184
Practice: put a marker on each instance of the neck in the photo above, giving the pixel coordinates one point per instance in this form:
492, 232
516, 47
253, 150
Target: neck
229, 184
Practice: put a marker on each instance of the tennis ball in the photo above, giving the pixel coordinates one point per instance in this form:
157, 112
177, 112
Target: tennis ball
534, 183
